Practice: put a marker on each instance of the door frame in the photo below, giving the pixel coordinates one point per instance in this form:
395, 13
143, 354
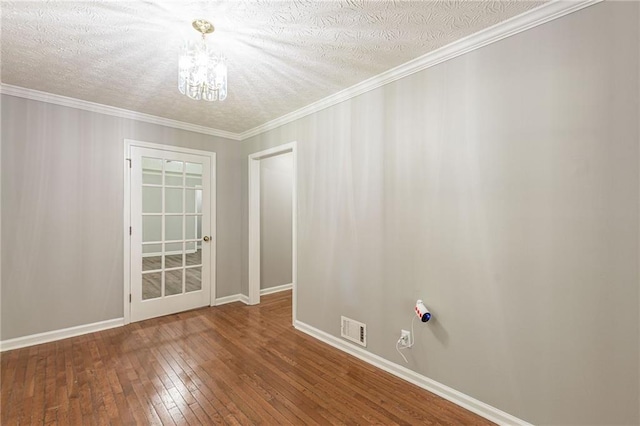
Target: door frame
128, 144
254, 221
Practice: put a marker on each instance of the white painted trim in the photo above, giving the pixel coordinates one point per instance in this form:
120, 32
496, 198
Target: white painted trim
128, 143
294, 235
0, 225
126, 240
254, 221
273, 151
51, 336
213, 255
233, 298
254, 230
170, 148
275, 289
530, 19
244, 299
36, 95
465, 401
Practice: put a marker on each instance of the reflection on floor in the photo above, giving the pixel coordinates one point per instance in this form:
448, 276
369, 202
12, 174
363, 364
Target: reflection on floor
151, 282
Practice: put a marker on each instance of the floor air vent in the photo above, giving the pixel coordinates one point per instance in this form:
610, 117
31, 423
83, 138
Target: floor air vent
354, 331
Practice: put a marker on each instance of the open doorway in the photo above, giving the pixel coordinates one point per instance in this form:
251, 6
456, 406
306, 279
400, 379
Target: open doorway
271, 173
276, 181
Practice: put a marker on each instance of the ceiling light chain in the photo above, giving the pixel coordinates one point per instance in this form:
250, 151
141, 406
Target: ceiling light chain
202, 74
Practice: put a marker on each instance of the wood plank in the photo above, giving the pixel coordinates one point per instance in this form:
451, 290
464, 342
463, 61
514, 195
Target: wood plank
233, 364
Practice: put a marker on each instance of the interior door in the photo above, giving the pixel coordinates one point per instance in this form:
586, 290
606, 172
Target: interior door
171, 239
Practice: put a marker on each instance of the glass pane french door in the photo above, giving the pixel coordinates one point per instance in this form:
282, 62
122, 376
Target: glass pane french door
171, 232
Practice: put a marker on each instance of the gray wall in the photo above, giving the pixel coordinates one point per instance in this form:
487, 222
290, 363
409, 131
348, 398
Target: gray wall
62, 213
276, 174
502, 188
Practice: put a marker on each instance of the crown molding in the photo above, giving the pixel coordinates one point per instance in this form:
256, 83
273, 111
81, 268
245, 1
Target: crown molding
538, 16
36, 95
517, 24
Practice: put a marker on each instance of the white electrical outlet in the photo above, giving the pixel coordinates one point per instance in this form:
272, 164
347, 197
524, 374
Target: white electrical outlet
405, 337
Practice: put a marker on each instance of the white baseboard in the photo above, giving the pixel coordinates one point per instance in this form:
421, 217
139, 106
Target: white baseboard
458, 398
233, 298
245, 299
276, 289
50, 336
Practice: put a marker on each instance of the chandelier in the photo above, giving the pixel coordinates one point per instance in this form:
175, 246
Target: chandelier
202, 74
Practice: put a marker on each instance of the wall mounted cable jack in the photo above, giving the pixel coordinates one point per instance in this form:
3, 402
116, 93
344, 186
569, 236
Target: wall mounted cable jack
407, 339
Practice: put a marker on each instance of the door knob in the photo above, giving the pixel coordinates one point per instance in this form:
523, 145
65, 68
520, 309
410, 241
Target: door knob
206, 239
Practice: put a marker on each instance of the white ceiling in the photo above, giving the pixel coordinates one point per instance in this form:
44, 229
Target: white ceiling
282, 55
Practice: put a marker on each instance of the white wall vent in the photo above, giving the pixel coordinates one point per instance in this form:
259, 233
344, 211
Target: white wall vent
354, 331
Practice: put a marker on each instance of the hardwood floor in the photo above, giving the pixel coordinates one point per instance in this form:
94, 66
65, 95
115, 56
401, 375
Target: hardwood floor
232, 364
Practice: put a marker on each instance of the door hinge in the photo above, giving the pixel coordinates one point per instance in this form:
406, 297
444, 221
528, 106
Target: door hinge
130, 231
129, 160
129, 298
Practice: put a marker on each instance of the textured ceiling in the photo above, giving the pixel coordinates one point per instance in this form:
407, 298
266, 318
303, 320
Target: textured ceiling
282, 55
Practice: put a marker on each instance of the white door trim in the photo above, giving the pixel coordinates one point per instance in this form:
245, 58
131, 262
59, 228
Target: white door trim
128, 143
254, 221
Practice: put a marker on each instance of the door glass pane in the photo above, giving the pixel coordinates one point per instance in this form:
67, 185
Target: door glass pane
194, 175
151, 285
173, 282
152, 170
199, 201
193, 201
151, 250
173, 171
151, 228
173, 255
173, 200
191, 227
190, 201
151, 257
152, 178
194, 257
173, 248
172, 228
151, 199
194, 279
173, 260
